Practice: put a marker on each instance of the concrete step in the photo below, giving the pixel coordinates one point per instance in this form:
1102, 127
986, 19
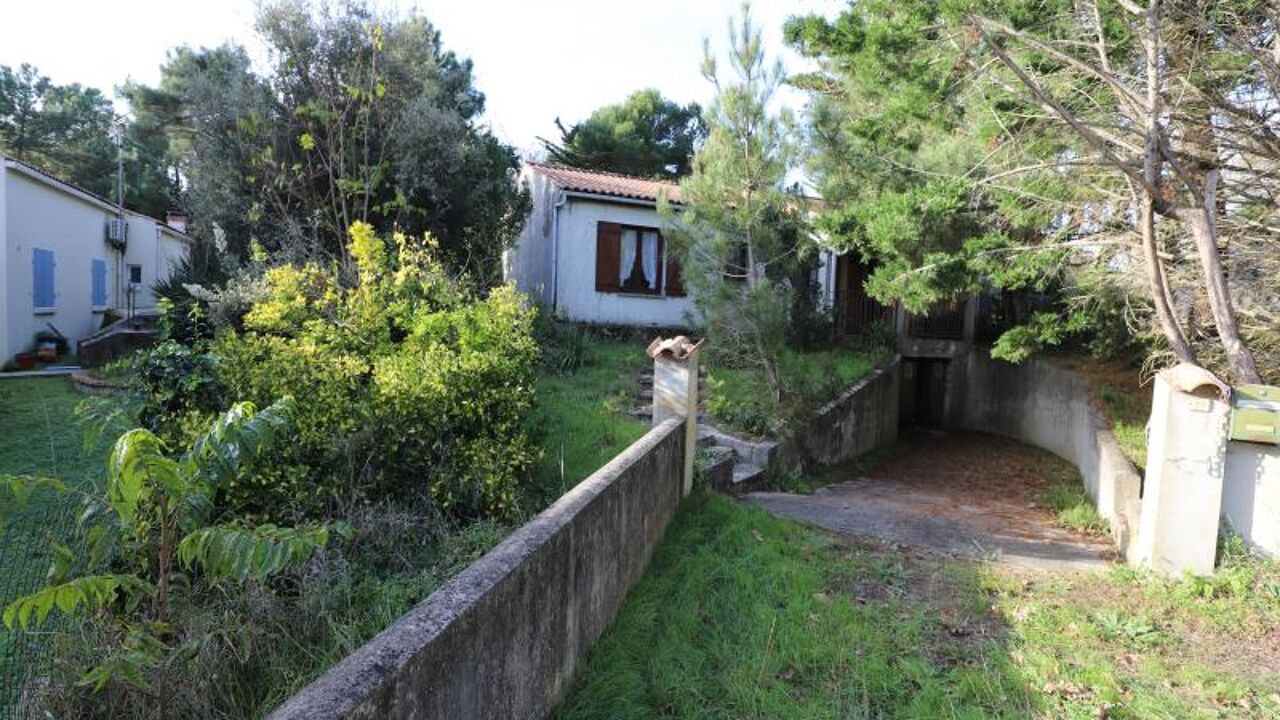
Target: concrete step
756, 452
744, 473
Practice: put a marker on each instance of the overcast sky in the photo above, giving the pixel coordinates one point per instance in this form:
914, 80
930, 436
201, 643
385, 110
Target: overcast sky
534, 59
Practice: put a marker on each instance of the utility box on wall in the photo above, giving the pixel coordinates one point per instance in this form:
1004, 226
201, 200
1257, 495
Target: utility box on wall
1255, 414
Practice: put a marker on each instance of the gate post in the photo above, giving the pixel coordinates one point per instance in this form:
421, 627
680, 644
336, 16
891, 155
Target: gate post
1186, 455
675, 391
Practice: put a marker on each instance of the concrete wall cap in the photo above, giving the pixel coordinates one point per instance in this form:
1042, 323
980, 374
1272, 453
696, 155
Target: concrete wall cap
678, 347
1188, 378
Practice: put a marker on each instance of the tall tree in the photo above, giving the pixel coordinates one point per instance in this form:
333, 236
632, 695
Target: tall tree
63, 129
646, 135
1076, 145
363, 116
209, 111
739, 230
66, 130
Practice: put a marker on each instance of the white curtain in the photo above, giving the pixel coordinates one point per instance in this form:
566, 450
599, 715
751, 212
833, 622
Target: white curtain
649, 257
628, 255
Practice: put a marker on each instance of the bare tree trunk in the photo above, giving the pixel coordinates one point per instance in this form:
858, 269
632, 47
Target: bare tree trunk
1202, 222
1198, 166
1151, 174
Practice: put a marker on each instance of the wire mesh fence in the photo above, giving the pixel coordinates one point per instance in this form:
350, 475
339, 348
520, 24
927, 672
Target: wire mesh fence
40, 435
26, 552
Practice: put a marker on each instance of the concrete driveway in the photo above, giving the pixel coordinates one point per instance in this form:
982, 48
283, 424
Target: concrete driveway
962, 493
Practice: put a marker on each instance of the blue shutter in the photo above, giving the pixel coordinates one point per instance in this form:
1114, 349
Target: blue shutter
99, 270
42, 268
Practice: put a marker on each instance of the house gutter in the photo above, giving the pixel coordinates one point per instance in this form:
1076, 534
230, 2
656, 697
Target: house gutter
555, 249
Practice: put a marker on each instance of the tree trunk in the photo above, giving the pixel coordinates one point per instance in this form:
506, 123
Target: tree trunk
1197, 164
1203, 226
1151, 174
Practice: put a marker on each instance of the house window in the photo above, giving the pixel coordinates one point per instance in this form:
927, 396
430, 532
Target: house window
634, 259
98, 280
44, 296
135, 274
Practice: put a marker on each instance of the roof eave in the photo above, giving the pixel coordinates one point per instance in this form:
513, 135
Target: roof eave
620, 199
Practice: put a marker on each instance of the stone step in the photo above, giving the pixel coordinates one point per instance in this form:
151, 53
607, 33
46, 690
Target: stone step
744, 473
754, 452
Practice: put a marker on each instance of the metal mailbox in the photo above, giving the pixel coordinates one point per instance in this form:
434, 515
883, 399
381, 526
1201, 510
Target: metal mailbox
1255, 414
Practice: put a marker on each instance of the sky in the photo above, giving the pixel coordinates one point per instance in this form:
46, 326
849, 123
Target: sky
535, 60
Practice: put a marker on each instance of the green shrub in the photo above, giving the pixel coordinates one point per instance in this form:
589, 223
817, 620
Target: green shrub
180, 388
204, 266
738, 395
408, 385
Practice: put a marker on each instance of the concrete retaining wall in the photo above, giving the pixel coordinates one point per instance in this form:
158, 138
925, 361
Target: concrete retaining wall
503, 638
1251, 494
1050, 407
863, 418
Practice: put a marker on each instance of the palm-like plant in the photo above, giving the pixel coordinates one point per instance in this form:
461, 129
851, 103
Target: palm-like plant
159, 509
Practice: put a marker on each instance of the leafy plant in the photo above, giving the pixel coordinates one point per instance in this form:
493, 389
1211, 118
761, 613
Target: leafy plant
158, 508
1131, 628
413, 385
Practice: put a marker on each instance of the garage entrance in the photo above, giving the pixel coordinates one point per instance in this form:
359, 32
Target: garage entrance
923, 390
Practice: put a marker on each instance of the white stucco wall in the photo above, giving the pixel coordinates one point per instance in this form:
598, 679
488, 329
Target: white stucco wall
5, 291
1251, 494
38, 215
528, 262
577, 297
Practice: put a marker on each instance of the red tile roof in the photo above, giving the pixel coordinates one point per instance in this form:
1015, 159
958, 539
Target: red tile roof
597, 182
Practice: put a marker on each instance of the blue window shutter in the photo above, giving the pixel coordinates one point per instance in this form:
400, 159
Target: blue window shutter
99, 282
42, 262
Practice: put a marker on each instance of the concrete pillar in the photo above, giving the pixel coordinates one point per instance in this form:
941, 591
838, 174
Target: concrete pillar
675, 391
1182, 492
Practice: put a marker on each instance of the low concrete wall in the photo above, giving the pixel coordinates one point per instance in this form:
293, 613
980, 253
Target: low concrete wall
1251, 494
863, 418
503, 638
1051, 408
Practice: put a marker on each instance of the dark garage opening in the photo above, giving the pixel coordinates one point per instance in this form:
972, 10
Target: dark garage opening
923, 390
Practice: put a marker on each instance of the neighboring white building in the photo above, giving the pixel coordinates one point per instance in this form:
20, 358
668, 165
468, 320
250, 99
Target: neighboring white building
593, 249
57, 265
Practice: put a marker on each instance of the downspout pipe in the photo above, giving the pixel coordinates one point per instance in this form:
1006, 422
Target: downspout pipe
561, 199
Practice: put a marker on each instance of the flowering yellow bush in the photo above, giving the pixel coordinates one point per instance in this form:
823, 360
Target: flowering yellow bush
405, 383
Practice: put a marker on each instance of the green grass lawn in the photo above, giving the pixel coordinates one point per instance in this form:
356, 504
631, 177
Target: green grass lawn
742, 615
582, 417
38, 436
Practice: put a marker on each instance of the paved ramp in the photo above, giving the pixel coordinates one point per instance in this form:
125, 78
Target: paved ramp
963, 493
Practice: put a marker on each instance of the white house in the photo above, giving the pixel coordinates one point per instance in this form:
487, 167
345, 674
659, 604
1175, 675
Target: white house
58, 264
593, 249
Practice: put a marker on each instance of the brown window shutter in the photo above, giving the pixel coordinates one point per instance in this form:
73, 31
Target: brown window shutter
675, 277
608, 262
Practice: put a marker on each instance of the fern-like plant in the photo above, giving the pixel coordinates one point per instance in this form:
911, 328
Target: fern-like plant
159, 509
